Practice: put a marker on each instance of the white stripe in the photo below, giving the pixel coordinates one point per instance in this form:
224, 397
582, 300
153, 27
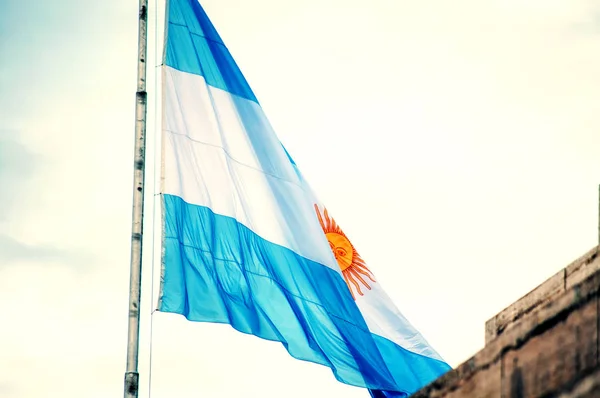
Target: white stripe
384, 319
221, 152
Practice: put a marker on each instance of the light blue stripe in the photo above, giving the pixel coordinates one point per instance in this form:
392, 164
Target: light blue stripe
194, 46
217, 270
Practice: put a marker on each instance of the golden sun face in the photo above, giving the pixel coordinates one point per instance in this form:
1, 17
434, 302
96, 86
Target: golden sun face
342, 249
352, 265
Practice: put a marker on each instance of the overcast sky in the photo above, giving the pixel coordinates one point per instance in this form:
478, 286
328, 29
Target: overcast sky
455, 142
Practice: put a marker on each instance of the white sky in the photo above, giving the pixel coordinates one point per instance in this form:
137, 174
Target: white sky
455, 142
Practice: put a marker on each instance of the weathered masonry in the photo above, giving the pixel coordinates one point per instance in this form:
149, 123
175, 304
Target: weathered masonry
543, 345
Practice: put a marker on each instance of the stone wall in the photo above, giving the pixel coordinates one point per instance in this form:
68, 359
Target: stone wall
543, 345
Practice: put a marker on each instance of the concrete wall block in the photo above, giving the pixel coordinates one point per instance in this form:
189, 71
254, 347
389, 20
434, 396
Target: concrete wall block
582, 268
547, 362
545, 345
466, 383
544, 293
563, 280
589, 387
544, 318
486, 383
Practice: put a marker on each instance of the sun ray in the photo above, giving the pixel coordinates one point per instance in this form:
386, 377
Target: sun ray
354, 283
357, 276
353, 267
359, 259
327, 219
366, 273
320, 218
344, 274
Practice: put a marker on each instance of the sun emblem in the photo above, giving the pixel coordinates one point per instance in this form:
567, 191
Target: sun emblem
352, 265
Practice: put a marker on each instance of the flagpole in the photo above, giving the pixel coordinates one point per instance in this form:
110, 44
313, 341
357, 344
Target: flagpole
135, 276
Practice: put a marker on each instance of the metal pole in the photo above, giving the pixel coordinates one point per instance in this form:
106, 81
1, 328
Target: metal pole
135, 277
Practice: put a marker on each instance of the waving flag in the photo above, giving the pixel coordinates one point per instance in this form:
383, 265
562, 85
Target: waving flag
245, 240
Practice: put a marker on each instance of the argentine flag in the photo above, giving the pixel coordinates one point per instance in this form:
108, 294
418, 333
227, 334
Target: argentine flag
246, 242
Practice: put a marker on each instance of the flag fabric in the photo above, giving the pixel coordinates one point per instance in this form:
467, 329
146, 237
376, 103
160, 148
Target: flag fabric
245, 240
